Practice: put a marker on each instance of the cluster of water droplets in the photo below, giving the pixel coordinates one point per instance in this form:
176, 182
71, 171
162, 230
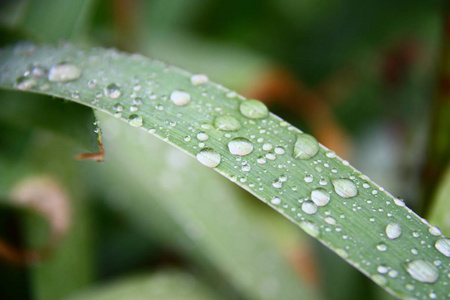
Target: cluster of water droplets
244, 137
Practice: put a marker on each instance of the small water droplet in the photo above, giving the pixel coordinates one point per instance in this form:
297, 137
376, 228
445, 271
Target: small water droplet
267, 147
393, 231
198, 79
240, 146
253, 109
202, 136
118, 107
382, 247
227, 123
433, 230
320, 197
382, 269
112, 91
306, 146
64, 72
309, 207
443, 246
345, 188
180, 98
309, 178
275, 201
135, 120
423, 271
279, 150
209, 157
25, 83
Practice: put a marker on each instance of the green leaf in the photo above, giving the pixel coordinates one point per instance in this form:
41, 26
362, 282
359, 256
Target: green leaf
163, 285
165, 196
322, 194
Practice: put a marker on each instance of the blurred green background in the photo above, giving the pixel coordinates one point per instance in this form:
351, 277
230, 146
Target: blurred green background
368, 78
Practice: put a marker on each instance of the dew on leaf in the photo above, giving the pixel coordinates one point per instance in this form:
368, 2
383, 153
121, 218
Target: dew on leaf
112, 91
198, 79
25, 83
309, 207
135, 120
253, 109
180, 98
310, 228
345, 188
275, 201
423, 271
320, 197
305, 147
202, 136
227, 123
443, 246
209, 157
64, 72
393, 231
240, 146
433, 230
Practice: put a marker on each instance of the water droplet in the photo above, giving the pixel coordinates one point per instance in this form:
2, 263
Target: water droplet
240, 146
112, 91
330, 220
198, 79
306, 146
202, 136
180, 98
209, 157
345, 188
309, 178
279, 150
118, 107
38, 71
64, 72
433, 230
25, 83
261, 160
381, 247
423, 271
253, 109
275, 201
443, 246
393, 231
320, 197
277, 184
267, 147
135, 120
382, 269
309, 207
227, 123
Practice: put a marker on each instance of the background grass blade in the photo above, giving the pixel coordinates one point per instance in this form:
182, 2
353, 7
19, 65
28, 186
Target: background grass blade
356, 218
165, 284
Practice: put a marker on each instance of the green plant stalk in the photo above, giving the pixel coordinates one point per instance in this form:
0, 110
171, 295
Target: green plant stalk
401, 257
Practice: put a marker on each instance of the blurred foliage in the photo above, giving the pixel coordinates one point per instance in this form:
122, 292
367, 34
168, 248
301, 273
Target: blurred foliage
370, 65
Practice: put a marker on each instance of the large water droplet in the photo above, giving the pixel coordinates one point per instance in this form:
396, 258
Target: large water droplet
423, 271
112, 91
443, 246
64, 72
320, 197
393, 231
305, 146
309, 207
209, 157
240, 146
345, 188
135, 120
180, 98
253, 109
227, 123
198, 79
25, 83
